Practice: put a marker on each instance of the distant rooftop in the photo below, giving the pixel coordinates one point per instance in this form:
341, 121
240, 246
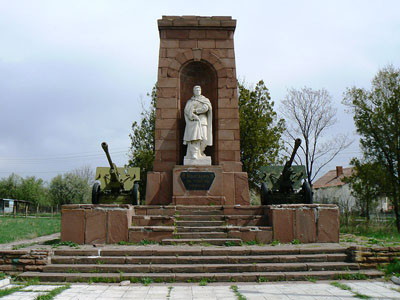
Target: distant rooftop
333, 178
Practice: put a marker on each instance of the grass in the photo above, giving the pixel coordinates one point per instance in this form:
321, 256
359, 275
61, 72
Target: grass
14, 229
239, 296
169, 291
393, 268
341, 286
2, 275
50, 295
376, 232
347, 288
5, 292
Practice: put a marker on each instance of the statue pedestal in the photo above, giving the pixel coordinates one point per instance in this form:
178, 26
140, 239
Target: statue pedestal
197, 185
202, 161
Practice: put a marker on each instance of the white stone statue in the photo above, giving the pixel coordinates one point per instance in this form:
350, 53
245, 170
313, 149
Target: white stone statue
198, 130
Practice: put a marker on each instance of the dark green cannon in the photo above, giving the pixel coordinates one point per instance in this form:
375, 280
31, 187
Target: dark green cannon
114, 184
283, 184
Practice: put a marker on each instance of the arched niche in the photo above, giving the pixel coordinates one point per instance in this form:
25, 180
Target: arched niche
203, 74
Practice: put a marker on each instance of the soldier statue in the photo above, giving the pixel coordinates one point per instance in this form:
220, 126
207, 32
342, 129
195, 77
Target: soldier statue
198, 130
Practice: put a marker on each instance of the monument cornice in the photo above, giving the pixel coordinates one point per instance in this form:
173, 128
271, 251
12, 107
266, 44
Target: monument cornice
196, 22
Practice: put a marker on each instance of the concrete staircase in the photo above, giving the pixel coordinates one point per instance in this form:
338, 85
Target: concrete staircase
206, 225
156, 263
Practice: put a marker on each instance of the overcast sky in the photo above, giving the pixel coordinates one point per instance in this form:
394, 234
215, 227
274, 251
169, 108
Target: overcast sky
73, 73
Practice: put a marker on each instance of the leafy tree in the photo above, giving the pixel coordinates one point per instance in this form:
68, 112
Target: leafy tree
34, 190
260, 130
9, 186
364, 185
29, 188
309, 114
377, 119
143, 142
68, 189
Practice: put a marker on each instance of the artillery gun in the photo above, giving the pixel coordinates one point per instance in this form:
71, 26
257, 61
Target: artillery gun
282, 184
115, 185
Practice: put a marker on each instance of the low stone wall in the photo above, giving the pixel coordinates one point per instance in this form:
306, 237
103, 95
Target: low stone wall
371, 257
16, 261
308, 223
96, 224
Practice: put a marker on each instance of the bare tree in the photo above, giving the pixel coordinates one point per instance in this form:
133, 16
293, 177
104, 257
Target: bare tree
309, 113
85, 172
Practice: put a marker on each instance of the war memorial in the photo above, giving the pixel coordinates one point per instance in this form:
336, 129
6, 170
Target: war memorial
197, 199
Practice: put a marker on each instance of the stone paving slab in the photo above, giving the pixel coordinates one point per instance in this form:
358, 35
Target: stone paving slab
217, 291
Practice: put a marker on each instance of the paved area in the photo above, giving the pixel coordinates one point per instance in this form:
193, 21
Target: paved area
261, 291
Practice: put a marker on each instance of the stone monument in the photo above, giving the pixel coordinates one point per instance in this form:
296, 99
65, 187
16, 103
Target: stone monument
198, 129
197, 161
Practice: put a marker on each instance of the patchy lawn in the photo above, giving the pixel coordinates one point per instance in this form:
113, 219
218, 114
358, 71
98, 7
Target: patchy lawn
14, 229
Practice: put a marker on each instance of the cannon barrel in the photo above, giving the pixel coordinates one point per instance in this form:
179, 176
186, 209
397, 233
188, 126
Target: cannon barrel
113, 168
105, 148
285, 182
297, 144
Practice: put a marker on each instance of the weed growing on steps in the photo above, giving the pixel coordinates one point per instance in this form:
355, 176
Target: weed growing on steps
235, 289
311, 279
20, 246
351, 276
141, 243
203, 282
262, 279
57, 243
393, 268
275, 242
295, 242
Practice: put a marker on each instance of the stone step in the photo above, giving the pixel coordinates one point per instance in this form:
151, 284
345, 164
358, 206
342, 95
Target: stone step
196, 277
181, 213
220, 241
199, 268
200, 235
198, 223
201, 229
203, 251
189, 259
201, 218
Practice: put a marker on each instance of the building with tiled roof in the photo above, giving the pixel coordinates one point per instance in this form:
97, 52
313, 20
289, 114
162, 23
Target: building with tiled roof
330, 188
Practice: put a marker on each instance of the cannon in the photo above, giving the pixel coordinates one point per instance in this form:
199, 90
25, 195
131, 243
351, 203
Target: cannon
282, 184
115, 185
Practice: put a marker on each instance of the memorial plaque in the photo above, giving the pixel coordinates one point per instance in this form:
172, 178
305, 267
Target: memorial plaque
197, 181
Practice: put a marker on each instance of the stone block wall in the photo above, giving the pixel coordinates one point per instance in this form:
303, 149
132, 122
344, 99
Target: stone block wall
308, 223
17, 261
372, 257
96, 224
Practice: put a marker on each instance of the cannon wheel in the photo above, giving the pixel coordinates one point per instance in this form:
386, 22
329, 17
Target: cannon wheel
96, 193
307, 192
264, 194
135, 194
